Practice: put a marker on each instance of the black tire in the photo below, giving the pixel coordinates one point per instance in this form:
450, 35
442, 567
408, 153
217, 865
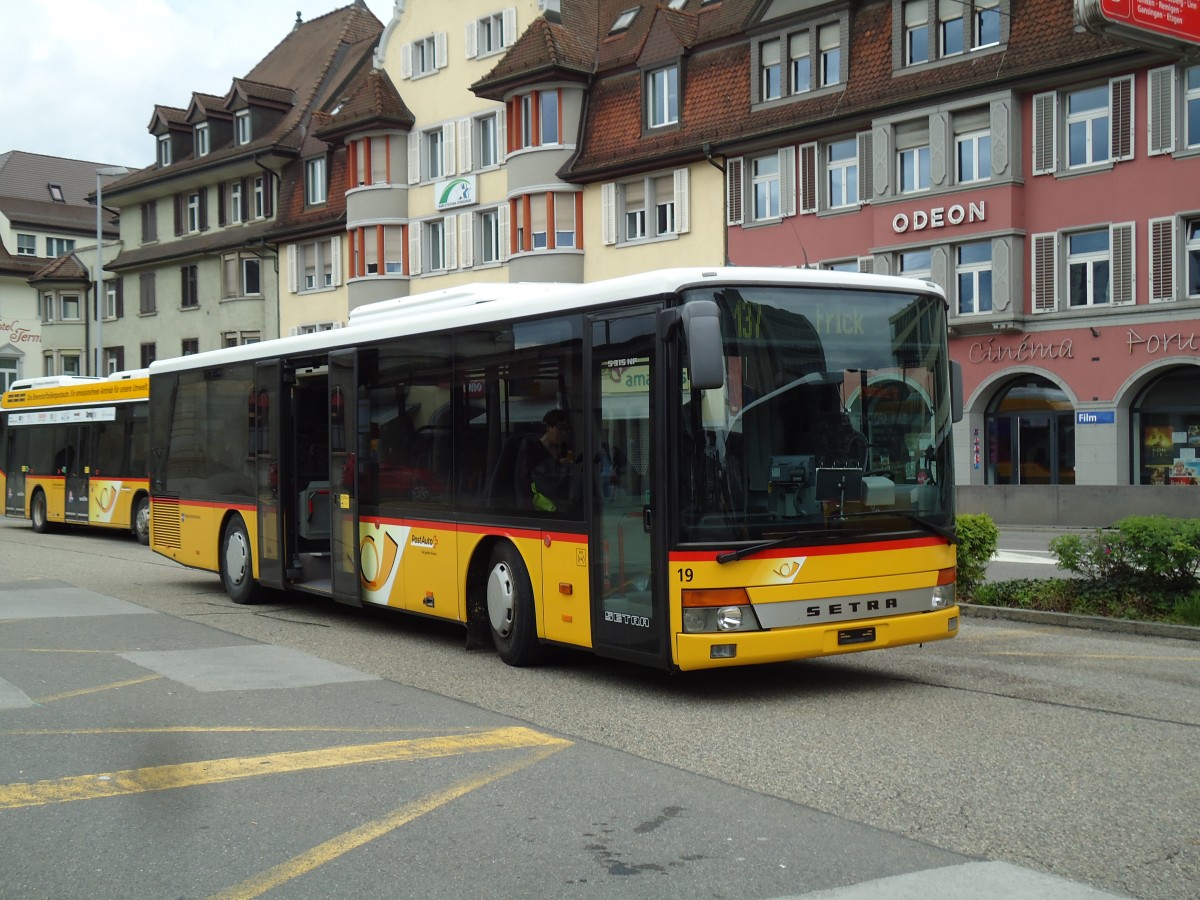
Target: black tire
510, 607
237, 562
141, 520
37, 513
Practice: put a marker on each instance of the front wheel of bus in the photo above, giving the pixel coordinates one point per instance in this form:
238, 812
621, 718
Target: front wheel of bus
510, 608
37, 513
236, 562
141, 520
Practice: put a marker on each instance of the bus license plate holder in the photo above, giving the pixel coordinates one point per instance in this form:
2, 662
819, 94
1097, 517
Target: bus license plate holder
856, 636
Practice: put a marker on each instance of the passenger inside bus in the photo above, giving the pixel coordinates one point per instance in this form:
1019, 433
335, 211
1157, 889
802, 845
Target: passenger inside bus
543, 478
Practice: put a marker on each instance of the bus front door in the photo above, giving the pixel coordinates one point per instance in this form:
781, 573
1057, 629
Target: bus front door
343, 476
266, 410
78, 469
630, 618
17, 461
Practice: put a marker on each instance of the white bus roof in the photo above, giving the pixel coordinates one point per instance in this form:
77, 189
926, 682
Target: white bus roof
483, 303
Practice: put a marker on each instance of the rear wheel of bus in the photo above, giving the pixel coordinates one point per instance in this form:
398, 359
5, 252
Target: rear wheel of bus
236, 562
141, 520
37, 513
510, 607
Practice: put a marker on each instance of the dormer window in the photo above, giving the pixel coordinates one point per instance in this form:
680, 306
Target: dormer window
624, 20
241, 127
56, 193
662, 97
202, 145
164, 150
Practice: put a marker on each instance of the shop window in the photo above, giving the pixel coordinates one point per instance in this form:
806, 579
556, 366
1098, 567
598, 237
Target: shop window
1166, 431
1031, 434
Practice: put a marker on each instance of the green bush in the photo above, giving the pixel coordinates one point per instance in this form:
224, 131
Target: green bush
1138, 553
978, 538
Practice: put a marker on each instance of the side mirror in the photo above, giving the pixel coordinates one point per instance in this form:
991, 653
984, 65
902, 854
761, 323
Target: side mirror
701, 321
956, 391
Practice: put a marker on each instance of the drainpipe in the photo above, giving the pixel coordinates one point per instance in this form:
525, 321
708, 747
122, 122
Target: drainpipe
718, 164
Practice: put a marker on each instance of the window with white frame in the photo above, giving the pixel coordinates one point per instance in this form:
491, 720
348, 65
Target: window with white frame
916, 32
112, 298
486, 141
1191, 103
549, 118
70, 307
193, 212
912, 156
830, 46
424, 55
951, 18
434, 240
315, 189
315, 262
973, 271
432, 149
985, 31
251, 276
491, 34
972, 147
487, 237
765, 190
202, 144
8, 374
1088, 265
241, 127
374, 250
70, 363
841, 164
26, 245
241, 276
565, 226
916, 263
260, 197
1192, 251
662, 97
236, 201
48, 305
651, 207
1094, 125
58, 246
770, 69
113, 360
799, 62
164, 150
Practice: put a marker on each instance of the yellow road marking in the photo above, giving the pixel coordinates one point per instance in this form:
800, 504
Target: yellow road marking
258, 885
223, 729
95, 690
215, 771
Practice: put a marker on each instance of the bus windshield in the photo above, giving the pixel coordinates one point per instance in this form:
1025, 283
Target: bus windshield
834, 419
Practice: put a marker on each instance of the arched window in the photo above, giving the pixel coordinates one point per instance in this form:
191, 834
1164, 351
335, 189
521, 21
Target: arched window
1166, 429
1031, 434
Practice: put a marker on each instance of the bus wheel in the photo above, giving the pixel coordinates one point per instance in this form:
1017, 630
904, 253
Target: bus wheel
236, 566
141, 520
37, 513
510, 607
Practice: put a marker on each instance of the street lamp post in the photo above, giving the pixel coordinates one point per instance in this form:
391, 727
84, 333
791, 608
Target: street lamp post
98, 265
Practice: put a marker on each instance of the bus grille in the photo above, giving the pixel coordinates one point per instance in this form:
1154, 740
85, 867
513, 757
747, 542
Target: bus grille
164, 522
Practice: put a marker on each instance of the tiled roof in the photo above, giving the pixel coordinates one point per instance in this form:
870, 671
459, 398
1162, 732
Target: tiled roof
316, 59
716, 93
372, 102
65, 268
202, 244
565, 45
25, 196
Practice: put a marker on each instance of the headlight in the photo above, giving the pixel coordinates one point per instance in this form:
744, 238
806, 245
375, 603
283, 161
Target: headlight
944, 591
708, 619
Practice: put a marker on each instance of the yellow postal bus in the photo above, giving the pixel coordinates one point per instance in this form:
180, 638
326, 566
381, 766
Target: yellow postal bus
687, 468
73, 452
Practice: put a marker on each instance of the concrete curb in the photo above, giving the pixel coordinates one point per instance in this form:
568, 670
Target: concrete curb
1095, 623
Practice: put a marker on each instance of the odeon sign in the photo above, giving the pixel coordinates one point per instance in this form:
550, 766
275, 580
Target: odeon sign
940, 217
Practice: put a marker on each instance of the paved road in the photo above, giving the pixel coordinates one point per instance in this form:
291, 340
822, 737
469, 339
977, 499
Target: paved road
1018, 760
1025, 553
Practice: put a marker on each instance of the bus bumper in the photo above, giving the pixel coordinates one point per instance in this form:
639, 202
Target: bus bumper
743, 648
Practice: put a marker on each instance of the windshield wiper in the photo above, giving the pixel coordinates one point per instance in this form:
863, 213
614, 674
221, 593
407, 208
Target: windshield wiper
940, 530
742, 552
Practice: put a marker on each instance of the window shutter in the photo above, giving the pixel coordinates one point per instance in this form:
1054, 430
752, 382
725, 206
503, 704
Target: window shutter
178, 214
683, 222
439, 49
1160, 136
448, 149
466, 239
406, 61
734, 214
335, 259
865, 181
1001, 273
414, 248
505, 238
808, 178
414, 157
1121, 241
1121, 105
268, 194
471, 39
204, 209
464, 145
450, 239
245, 199
120, 304
293, 273
1045, 272
608, 213
866, 264
1000, 128
939, 265
881, 162
1162, 260
787, 180
501, 136
221, 219
1045, 133
509, 22
939, 127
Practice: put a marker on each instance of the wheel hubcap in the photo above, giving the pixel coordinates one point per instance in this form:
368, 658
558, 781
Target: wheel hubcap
500, 599
235, 557
143, 520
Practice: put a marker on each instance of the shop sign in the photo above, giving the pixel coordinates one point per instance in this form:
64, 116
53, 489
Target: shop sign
1164, 343
1027, 350
16, 333
1096, 417
939, 217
